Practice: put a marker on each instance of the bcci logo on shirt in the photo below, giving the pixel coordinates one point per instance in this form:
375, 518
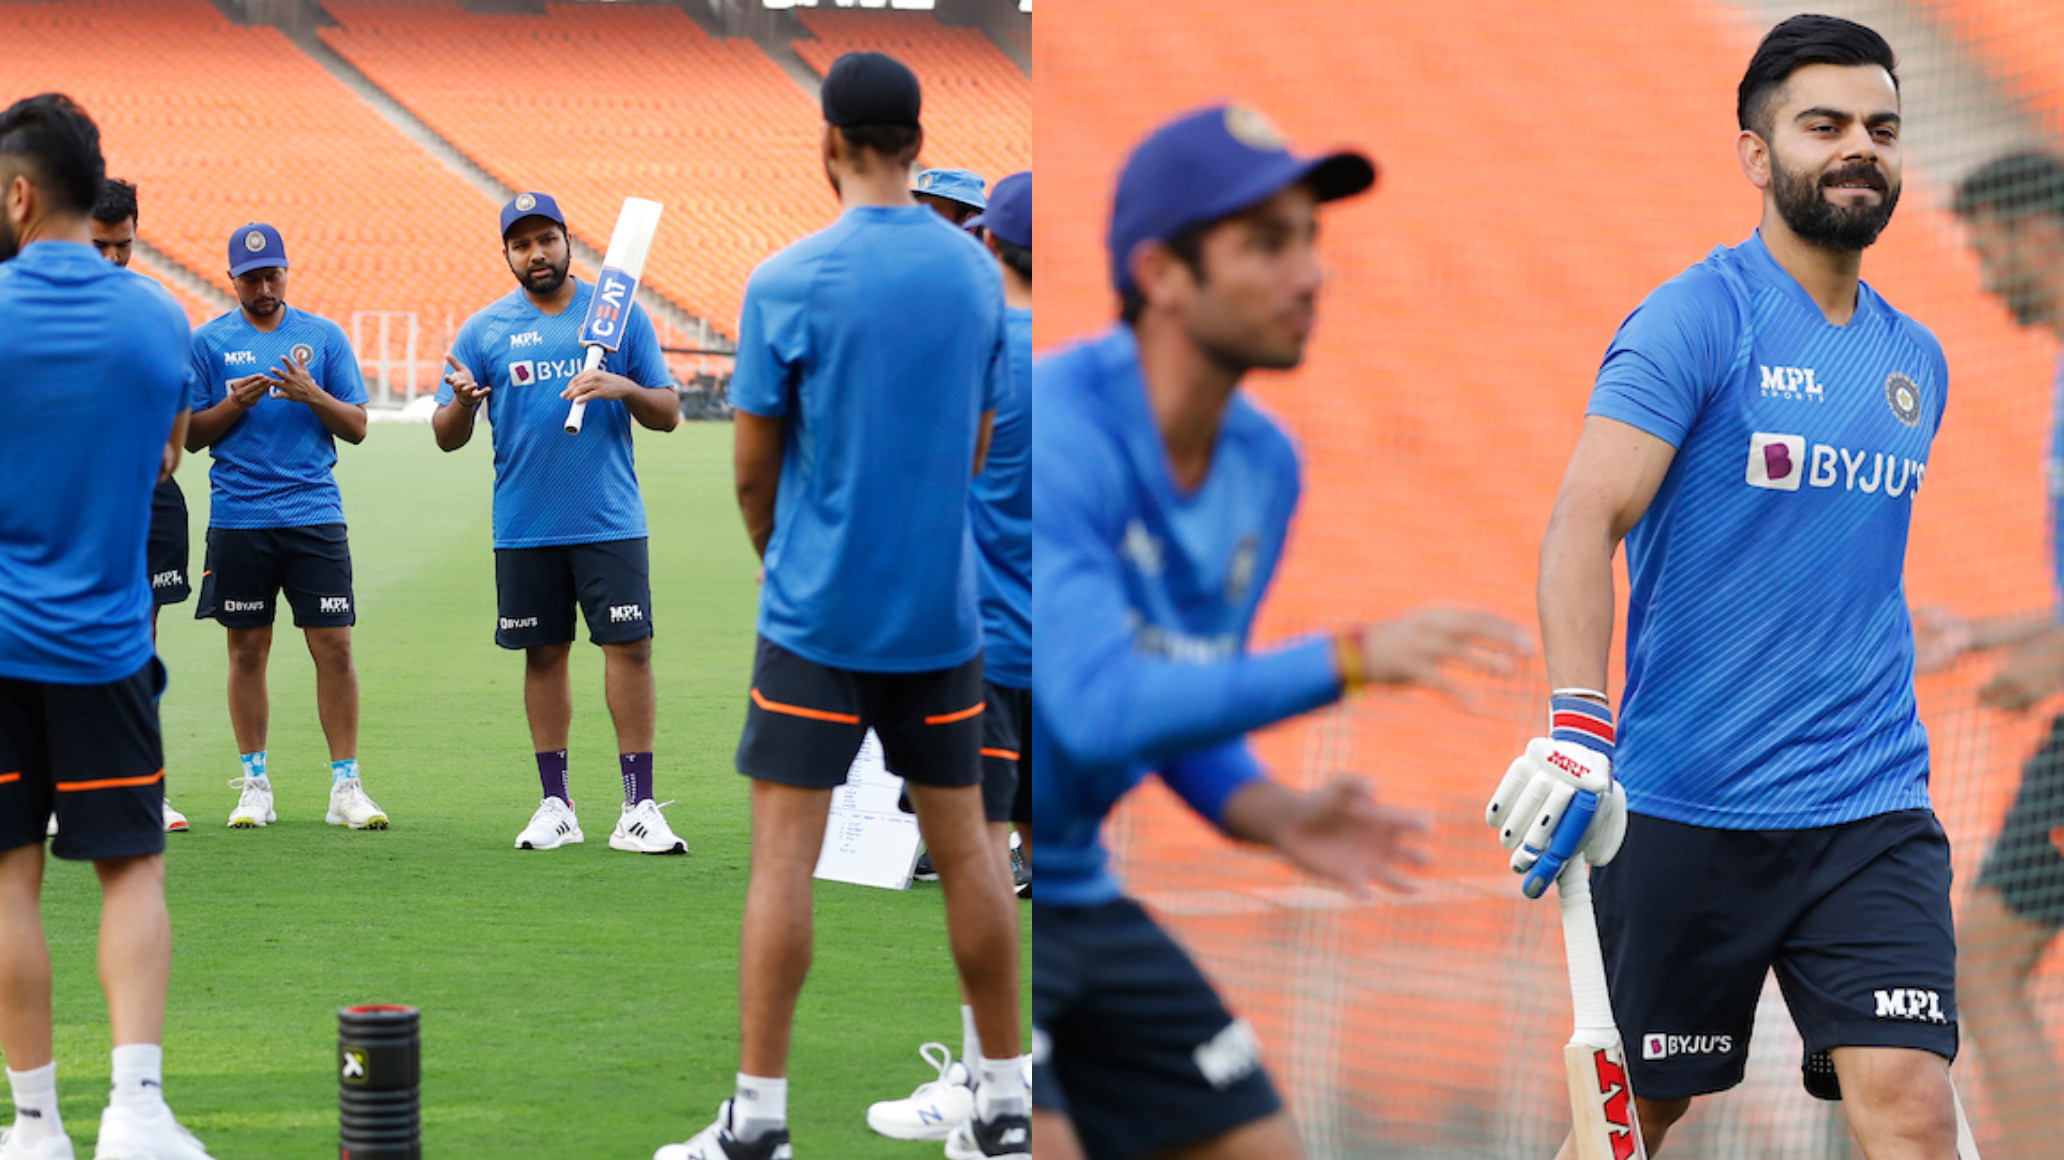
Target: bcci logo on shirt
1776, 462
302, 353
1904, 398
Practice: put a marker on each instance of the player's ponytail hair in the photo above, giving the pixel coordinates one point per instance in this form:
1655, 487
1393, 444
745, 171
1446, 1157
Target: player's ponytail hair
1793, 45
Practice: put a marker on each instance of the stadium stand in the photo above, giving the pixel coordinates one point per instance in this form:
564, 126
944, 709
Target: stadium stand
2021, 44
197, 311
976, 101
1469, 302
221, 124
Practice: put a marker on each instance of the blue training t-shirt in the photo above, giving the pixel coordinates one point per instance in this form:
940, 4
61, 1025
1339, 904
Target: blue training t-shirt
97, 369
1143, 598
552, 488
273, 468
1769, 647
879, 342
1001, 509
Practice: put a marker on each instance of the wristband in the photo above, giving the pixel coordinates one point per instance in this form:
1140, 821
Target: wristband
1581, 721
1349, 653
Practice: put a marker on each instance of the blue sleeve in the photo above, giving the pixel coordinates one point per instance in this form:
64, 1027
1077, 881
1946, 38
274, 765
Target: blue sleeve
341, 377
644, 363
996, 382
1208, 779
770, 347
208, 388
1121, 706
1668, 357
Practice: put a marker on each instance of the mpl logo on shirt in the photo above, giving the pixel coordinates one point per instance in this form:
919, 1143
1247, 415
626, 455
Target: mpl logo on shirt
1785, 463
527, 338
1791, 383
239, 358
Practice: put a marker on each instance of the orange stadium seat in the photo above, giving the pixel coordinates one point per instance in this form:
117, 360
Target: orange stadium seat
197, 311
220, 124
977, 104
2021, 44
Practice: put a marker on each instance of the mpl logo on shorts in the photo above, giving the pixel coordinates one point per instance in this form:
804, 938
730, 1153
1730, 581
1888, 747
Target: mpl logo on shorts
1656, 1045
1229, 1056
1910, 1003
519, 622
625, 613
333, 604
1785, 463
170, 579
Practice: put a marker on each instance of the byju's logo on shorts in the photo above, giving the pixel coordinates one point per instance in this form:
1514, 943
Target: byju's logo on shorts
1229, 1056
519, 622
334, 604
243, 606
523, 373
625, 613
1786, 463
1910, 1003
1656, 1045
1791, 383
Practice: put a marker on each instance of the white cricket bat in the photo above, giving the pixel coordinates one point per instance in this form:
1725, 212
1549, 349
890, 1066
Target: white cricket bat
610, 309
1601, 1099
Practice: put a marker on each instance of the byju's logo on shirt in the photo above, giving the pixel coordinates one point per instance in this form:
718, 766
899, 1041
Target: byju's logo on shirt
1791, 383
1784, 463
543, 370
523, 373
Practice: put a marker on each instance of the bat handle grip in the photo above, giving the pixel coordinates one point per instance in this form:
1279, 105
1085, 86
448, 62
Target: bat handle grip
1588, 994
575, 413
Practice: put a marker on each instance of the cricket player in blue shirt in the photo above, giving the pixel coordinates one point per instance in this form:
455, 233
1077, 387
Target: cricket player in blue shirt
95, 397
1757, 434
1161, 498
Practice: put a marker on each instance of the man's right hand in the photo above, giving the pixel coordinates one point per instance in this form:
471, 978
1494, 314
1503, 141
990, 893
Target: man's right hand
464, 389
1414, 648
245, 392
1542, 792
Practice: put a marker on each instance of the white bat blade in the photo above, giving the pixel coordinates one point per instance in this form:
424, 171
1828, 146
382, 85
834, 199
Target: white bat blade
622, 268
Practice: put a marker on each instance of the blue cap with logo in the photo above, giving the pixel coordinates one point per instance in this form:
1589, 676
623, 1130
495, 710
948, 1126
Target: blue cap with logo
530, 204
254, 247
1208, 164
961, 185
1009, 215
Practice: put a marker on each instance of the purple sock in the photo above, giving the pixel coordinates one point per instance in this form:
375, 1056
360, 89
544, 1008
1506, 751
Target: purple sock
552, 773
637, 777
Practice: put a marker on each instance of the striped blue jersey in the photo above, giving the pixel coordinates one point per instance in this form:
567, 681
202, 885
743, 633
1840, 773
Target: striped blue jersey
552, 488
1769, 648
273, 469
1143, 597
1001, 511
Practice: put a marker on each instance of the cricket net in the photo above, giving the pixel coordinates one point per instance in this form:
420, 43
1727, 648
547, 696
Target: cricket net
1545, 166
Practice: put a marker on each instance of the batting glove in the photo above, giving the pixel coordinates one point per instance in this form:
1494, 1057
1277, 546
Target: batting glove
1559, 798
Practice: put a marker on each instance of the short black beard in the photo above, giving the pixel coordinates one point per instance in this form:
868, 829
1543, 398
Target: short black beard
546, 283
1804, 205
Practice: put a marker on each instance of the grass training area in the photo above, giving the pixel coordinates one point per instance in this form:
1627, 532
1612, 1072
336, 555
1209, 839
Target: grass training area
576, 1003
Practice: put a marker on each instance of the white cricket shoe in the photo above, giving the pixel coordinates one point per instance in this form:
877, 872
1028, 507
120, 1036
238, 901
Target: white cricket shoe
349, 806
50, 827
12, 1147
642, 829
145, 1133
935, 1108
254, 806
1007, 1137
552, 826
717, 1143
175, 822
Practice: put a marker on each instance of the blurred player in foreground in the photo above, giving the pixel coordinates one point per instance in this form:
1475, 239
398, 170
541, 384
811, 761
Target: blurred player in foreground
1756, 434
953, 194
2014, 210
1161, 497
1001, 511
95, 398
114, 235
569, 523
275, 389
871, 356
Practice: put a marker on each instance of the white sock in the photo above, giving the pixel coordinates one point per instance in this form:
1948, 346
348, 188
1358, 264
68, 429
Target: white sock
759, 1107
35, 1103
139, 1075
1002, 1091
970, 1039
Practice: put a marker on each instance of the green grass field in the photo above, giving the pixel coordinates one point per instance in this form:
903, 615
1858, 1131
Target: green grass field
580, 1003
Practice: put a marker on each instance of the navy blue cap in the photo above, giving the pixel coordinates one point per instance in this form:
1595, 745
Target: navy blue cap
1208, 164
961, 185
253, 247
870, 88
525, 205
1009, 215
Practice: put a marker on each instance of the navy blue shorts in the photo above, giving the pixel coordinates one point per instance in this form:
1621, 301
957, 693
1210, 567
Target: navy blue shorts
536, 590
1129, 1039
167, 550
92, 755
248, 568
1854, 919
2026, 864
805, 722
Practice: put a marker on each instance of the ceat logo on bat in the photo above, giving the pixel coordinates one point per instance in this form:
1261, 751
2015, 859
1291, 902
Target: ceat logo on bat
1615, 1102
611, 305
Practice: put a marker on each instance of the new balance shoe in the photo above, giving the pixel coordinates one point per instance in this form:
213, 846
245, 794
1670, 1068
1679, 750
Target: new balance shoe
175, 822
935, 1108
717, 1142
13, 1147
349, 806
642, 829
254, 806
145, 1133
552, 826
926, 872
1007, 1137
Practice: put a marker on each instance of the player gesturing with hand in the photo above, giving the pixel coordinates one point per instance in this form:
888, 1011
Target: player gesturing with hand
290, 380
469, 393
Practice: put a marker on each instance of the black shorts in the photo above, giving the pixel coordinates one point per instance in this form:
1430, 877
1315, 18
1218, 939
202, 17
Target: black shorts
536, 589
1129, 1039
249, 567
92, 755
1853, 918
2026, 864
1006, 750
167, 553
805, 722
